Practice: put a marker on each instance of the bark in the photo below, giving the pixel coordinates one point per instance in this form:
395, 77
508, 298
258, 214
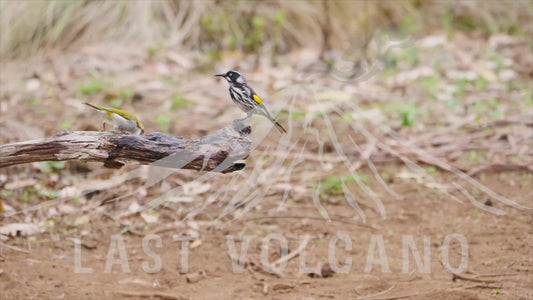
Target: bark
217, 152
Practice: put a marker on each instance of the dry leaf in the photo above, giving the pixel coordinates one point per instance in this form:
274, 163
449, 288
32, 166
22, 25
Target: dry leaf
19, 229
149, 218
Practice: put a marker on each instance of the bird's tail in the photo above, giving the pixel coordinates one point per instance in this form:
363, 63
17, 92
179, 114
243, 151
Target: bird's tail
102, 109
98, 107
276, 123
94, 106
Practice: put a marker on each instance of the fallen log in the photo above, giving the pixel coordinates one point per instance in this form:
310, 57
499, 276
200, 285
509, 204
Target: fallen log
217, 152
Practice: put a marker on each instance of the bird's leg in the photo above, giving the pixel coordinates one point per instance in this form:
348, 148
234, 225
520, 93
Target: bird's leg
248, 115
239, 123
103, 126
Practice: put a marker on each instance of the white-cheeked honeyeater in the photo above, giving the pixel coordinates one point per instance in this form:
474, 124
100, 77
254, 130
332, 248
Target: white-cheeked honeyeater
246, 99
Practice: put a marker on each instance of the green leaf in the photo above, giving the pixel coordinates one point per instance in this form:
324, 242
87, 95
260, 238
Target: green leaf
5, 193
179, 102
126, 93
35, 102
452, 103
25, 197
298, 115
53, 166
409, 116
92, 87
333, 184
67, 124
280, 17
117, 103
409, 25
347, 117
48, 193
432, 170
354, 178
164, 123
258, 22
154, 49
496, 114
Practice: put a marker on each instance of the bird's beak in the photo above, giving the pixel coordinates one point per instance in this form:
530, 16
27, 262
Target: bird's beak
221, 74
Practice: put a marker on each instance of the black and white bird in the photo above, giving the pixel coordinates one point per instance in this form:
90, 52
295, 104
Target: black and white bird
246, 99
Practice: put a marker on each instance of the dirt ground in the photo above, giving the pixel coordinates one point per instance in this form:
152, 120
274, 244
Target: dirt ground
465, 101
499, 261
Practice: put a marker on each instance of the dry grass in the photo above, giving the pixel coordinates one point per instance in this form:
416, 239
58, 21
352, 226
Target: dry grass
210, 25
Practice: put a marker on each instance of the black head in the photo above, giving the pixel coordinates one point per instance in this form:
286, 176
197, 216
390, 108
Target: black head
233, 77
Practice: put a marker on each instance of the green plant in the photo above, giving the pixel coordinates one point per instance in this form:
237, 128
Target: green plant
117, 102
479, 84
35, 102
126, 93
409, 116
154, 49
94, 86
460, 88
409, 25
298, 115
333, 184
447, 23
528, 96
278, 27
431, 84
25, 197
432, 170
53, 166
164, 123
179, 102
452, 103
254, 39
347, 117
5, 193
67, 124
48, 194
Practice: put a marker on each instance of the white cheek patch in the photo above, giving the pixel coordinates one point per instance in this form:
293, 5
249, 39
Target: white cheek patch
240, 79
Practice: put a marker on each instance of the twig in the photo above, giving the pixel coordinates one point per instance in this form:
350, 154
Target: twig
130, 229
497, 168
13, 248
307, 217
376, 294
398, 297
293, 254
483, 286
496, 275
160, 295
430, 292
326, 31
473, 279
265, 288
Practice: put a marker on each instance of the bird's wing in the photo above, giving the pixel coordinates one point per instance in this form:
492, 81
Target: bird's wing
103, 109
257, 98
124, 114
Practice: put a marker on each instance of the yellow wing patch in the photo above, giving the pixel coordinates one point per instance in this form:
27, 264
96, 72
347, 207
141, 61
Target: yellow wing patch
257, 99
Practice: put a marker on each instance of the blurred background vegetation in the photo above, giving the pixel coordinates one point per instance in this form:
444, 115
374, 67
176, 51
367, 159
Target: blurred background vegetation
215, 26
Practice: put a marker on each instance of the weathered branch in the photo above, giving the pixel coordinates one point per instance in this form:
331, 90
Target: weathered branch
216, 152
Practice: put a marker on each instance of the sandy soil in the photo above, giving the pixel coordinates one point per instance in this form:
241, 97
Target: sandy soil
499, 261
464, 122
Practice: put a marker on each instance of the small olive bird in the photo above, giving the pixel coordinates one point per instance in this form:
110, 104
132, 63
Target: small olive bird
246, 99
120, 120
